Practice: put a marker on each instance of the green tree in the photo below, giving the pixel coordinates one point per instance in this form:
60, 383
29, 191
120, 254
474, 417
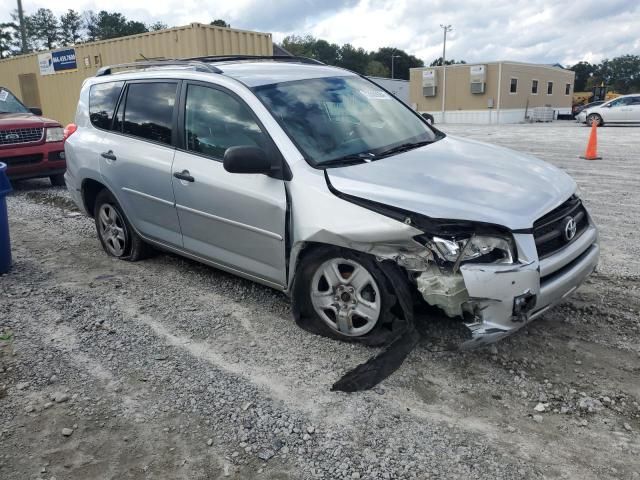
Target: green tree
154, 27
105, 25
6, 39
438, 62
352, 58
376, 69
299, 46
70, 27
402, 61
622, 74
584, 71
220, 23
326, 52
44, 29
133, 27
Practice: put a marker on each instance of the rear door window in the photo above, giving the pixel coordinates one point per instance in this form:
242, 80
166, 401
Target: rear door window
148, 111
102, 102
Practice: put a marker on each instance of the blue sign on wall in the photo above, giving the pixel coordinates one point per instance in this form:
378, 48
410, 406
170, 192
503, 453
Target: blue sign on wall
64, 60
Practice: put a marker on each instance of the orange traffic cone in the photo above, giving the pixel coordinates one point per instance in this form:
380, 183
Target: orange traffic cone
592, 146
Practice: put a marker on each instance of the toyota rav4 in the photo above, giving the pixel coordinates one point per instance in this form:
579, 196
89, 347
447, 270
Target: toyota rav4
315, 181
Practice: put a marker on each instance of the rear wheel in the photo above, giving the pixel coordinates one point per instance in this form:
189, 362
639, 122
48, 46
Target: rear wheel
344, 295
116, 235
595, 118
57, 180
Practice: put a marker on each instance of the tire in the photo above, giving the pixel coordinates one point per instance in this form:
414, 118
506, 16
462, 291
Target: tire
593, 118
323, 289
57, 180
116, 235
428, 117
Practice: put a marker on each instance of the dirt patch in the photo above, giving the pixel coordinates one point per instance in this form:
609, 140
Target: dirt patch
45, 198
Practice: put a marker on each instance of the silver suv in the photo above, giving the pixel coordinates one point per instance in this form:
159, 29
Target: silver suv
317, 182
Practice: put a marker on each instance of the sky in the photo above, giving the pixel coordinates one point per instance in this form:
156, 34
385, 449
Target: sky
541, 31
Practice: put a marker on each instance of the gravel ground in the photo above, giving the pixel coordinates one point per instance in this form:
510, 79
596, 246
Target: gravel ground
170, 369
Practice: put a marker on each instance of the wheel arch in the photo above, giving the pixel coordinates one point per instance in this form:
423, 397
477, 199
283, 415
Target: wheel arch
90, 189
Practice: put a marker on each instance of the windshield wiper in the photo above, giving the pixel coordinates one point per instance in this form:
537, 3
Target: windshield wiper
403, 148
351, 159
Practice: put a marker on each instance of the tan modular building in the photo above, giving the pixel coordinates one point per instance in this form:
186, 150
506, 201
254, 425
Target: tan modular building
52, 80
493, 92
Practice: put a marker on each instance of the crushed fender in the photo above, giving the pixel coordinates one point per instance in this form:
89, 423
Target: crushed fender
367, 375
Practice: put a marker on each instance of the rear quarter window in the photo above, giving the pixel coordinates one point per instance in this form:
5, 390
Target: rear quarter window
102, 103
148, 111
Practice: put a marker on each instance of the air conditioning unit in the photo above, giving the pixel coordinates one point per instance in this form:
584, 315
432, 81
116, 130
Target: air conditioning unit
429, 82
477, 87
478, 77
429, 91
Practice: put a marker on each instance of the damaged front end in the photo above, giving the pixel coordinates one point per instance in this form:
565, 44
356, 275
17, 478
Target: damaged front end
486, 275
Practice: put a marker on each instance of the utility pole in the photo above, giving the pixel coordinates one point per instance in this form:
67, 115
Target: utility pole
445, 28
23, 30
393, 57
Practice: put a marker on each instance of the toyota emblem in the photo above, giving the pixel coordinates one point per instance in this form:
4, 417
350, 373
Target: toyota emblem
569, 228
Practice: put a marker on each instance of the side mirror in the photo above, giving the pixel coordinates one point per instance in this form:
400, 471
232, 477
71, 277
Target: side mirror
36, 111
246, 159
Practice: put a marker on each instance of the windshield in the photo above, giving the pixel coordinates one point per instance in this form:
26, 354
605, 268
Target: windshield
9, 103
343, 119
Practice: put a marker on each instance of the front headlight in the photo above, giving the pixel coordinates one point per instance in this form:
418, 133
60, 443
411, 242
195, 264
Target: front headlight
476, 249
55, 134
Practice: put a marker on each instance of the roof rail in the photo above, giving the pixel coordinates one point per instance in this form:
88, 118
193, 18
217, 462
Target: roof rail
276, 58
198, 65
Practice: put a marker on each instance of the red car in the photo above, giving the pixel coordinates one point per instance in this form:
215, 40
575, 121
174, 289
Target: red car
32, 146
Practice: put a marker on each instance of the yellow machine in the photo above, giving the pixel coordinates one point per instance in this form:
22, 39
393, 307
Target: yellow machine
596, 94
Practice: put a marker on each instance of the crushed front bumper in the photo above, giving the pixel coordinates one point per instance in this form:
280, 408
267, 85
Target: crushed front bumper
500, 299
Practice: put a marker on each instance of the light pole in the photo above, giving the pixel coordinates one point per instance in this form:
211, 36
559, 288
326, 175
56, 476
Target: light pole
445, 28
393, 57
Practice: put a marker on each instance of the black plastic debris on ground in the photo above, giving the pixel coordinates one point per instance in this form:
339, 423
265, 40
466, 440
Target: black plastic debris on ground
369, 374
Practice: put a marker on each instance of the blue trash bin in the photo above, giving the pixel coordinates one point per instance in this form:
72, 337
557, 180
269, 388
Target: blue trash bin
5, 245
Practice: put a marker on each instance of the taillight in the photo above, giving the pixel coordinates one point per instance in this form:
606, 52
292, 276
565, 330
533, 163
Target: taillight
69, 130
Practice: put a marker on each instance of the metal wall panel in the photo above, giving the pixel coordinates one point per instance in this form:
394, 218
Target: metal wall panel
59, 92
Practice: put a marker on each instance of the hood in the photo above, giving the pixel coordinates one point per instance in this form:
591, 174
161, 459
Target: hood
9, 121
460, 179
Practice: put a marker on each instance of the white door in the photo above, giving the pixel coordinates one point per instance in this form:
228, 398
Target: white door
633, 114
616, 110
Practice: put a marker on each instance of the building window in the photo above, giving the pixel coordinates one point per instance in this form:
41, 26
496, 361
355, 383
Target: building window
567, 89
514, 86
549, 88
534, 87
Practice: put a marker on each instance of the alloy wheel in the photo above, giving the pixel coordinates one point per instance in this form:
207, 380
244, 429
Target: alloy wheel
346, 296
112, 230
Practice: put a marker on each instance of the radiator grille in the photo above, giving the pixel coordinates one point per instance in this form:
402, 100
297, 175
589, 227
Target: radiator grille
20, 135
549, 230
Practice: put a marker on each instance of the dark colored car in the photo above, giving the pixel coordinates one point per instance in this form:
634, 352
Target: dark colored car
578, 108
32, 146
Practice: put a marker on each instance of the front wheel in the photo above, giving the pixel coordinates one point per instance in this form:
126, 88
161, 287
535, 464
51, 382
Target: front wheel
344, 295
595, 118
116, 235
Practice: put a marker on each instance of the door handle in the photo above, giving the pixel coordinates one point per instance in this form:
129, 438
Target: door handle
184, 175
108, 155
